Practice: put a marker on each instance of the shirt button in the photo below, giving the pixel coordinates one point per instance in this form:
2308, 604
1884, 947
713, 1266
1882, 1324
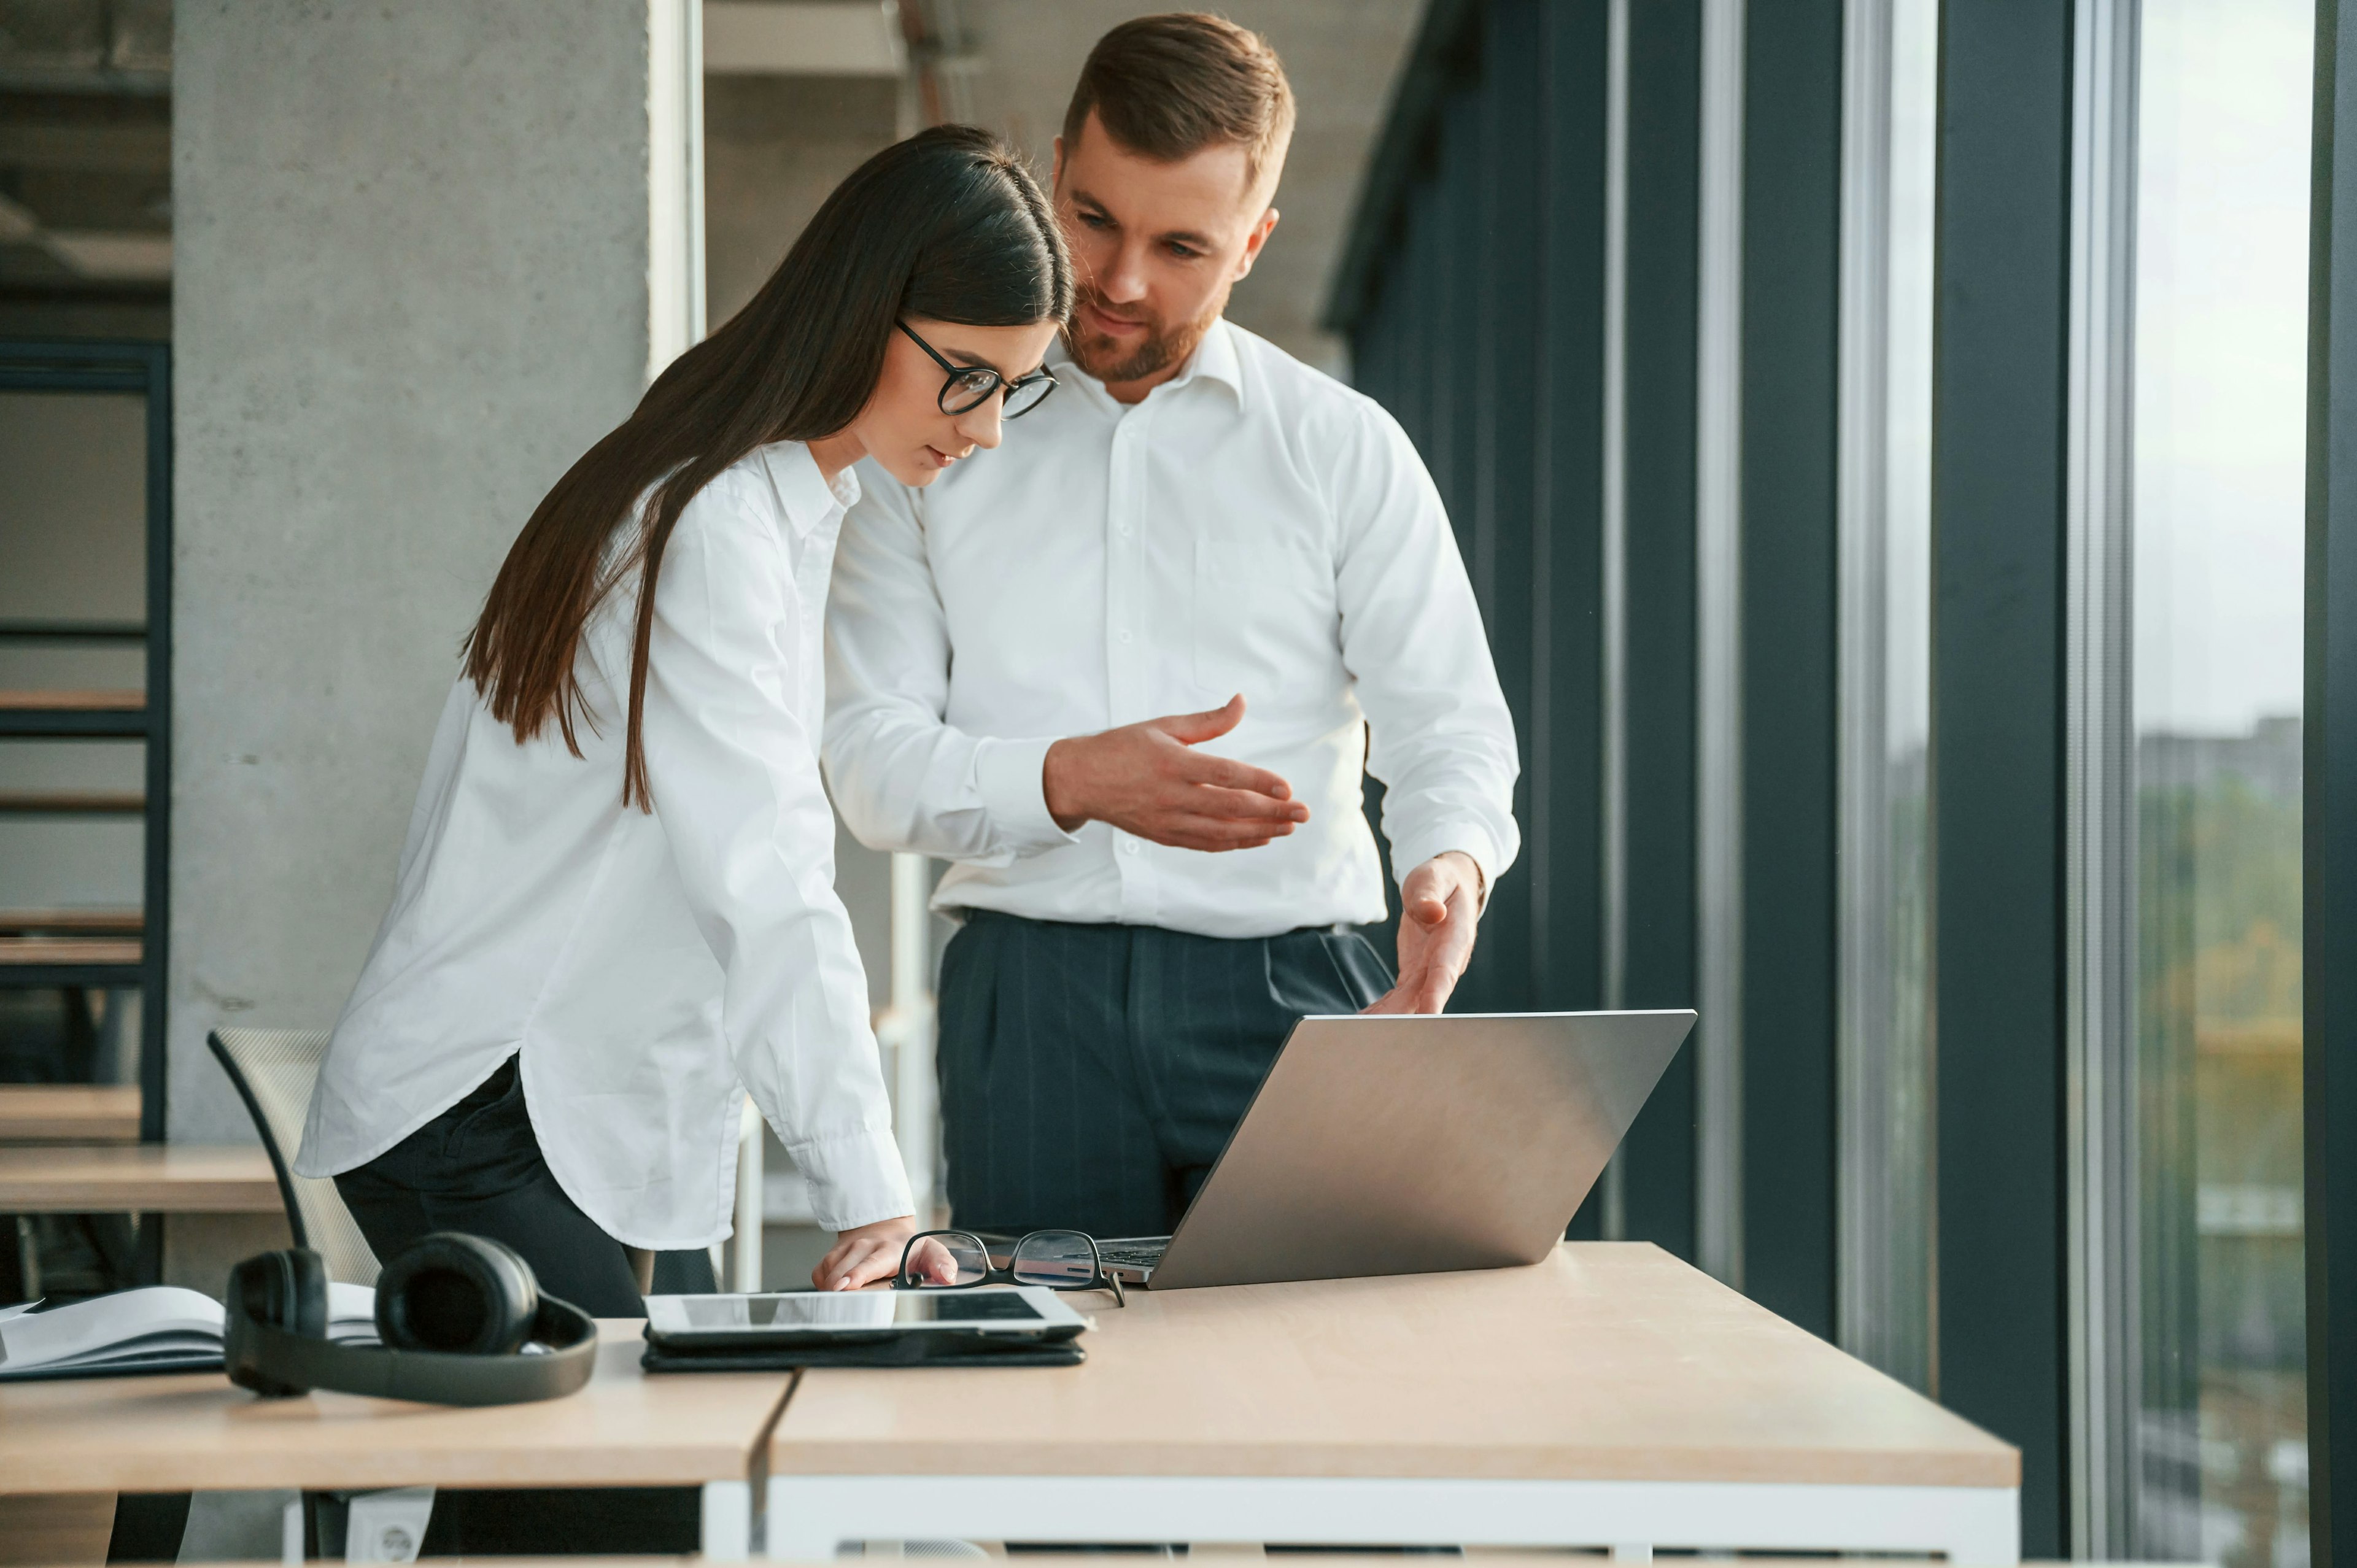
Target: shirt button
1129, 846
1124, 636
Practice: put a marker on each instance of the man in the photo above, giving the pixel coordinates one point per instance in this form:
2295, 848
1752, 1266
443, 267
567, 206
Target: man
1194, 526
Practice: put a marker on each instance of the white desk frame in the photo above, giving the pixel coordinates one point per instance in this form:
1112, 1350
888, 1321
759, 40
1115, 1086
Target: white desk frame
809, 1516
727, 1525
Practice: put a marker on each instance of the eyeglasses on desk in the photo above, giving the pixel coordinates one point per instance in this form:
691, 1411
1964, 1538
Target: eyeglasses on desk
960, 1259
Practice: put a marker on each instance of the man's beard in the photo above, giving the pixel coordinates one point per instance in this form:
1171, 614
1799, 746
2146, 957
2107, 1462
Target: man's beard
1162, 347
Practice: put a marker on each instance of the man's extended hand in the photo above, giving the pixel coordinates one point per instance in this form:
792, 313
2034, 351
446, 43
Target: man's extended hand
1440, 905
1147, 779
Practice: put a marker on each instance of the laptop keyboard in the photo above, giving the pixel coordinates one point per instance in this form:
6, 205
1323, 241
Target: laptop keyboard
1139, 1252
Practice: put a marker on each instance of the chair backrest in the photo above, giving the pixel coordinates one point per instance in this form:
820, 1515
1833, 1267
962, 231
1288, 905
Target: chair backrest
273, 1070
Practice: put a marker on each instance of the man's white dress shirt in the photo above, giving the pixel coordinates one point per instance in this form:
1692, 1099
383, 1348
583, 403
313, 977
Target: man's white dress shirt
1250, 526
641, 965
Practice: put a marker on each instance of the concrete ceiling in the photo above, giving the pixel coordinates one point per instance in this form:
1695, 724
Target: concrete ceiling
1014, 68
85, 136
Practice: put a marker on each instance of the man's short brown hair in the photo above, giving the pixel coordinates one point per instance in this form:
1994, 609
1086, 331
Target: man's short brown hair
1168, 86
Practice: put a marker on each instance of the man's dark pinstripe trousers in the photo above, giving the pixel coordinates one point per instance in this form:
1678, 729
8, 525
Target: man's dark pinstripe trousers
1091, 1074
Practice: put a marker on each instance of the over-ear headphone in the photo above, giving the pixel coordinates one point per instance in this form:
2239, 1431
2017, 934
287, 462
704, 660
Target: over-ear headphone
455, 1313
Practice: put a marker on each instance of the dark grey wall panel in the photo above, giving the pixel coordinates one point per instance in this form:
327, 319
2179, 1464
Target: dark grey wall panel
1561, 759
1665, 122
1505, 437
1792, 280
1999, 396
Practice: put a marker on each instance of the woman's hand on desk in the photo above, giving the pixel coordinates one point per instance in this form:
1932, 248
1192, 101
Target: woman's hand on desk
865, 1254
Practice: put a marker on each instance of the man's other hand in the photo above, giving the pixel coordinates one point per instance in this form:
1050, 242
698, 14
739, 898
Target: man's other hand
1148, 779
1440, 905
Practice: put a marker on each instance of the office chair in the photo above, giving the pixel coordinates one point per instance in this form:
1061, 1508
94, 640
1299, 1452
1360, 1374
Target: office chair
273, 1070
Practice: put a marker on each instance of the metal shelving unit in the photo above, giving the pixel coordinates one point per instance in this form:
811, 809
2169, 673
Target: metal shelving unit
70, 950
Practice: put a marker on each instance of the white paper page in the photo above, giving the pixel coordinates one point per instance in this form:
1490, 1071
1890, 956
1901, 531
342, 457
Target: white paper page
156, 1316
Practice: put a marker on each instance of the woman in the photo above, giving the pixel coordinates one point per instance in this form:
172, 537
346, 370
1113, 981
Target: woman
617, 897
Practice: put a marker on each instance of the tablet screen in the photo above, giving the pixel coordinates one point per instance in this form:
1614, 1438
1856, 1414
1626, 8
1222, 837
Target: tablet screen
836, 1309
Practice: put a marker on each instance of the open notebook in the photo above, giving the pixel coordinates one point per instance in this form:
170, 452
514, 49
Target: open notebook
159, 1328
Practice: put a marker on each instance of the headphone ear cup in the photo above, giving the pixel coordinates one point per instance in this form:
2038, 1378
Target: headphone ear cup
456, 1294
284, 1289
306, 1287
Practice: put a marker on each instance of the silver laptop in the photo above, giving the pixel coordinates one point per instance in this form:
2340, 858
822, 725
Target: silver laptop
1409, 1145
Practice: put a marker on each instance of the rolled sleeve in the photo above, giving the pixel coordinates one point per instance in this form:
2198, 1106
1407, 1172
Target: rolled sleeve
855, 1179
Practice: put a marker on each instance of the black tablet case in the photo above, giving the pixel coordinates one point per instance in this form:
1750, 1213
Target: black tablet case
929, 1349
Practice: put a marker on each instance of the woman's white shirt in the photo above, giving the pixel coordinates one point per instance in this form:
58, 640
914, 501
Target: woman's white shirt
640, 965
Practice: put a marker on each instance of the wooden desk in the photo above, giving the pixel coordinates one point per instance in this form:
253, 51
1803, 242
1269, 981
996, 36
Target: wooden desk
1610, 1397
140, 1178
71, 922
197, 1432
69, 1113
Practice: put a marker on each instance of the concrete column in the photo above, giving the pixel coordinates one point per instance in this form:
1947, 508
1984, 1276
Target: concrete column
424, 254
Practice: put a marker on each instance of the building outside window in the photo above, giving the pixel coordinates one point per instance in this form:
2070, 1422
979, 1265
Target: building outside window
2220, 408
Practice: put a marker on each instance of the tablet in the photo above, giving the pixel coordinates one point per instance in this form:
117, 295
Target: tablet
837, 1317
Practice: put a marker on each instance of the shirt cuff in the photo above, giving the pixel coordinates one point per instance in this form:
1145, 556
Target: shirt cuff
855, 1179
1472, 842
1010, 776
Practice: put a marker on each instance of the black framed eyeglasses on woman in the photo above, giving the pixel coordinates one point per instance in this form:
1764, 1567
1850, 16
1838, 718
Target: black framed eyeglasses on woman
970, 386
958, 1260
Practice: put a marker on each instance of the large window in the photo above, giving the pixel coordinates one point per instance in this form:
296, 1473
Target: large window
2220, 411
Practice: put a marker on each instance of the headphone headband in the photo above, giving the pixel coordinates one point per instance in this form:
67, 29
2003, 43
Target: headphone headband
263, 1356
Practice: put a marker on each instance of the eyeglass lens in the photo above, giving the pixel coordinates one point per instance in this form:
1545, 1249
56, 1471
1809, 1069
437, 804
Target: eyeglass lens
969, 389
944, 1260
1060, 1260
1023, 399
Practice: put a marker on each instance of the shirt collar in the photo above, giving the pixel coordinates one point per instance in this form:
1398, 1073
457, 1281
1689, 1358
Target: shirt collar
804, 494
1214, 359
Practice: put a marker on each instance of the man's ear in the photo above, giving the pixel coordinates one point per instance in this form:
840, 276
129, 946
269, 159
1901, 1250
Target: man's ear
1255, 240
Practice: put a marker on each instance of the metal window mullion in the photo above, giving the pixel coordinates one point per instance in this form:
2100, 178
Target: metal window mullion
2099, 848
1718, 636
1614, 758
155, 872
1866, 1291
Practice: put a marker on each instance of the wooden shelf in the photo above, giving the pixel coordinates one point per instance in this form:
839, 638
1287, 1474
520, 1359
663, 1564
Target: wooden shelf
71, 922
143, 1178
18, 951
67, 962
123, 698
72, 802
69, 1113
107, 701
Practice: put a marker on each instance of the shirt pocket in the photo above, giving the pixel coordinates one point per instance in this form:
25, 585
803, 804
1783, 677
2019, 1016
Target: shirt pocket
1264, 620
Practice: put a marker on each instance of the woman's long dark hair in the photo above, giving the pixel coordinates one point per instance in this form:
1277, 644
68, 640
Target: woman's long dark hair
948, 225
